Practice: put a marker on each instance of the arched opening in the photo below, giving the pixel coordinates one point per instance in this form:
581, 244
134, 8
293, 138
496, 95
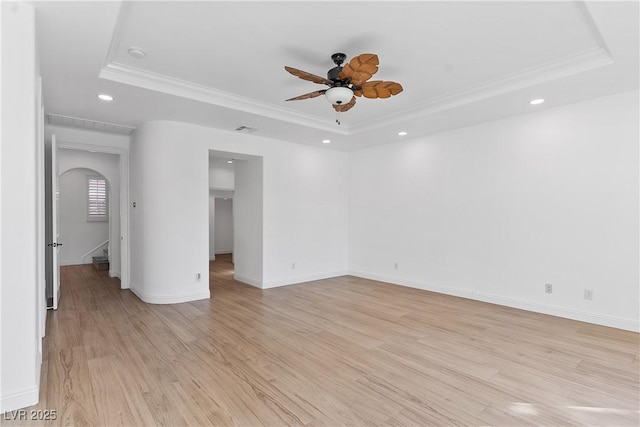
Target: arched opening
84, 212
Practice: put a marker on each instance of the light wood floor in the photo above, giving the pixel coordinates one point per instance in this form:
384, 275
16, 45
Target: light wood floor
342, 351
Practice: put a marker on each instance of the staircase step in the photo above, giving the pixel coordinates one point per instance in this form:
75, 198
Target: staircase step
101, 262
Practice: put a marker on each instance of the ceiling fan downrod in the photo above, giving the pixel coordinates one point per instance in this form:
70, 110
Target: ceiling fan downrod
334, 73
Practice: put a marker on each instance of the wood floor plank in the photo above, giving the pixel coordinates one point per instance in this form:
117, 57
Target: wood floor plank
340, 351
69, 389
97, 337
112, 409
145, 365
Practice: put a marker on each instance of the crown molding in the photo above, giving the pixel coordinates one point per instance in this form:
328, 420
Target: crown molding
160, 83
583, 61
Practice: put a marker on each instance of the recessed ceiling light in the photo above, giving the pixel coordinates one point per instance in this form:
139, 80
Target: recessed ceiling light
105, 97
326, 141
537, 101
403, 133
137, 53
229, 161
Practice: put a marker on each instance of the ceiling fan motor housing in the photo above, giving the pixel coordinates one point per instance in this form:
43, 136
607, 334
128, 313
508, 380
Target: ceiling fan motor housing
334, 73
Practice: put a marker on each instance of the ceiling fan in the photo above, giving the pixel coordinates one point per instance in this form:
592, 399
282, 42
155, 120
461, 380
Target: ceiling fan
345, 83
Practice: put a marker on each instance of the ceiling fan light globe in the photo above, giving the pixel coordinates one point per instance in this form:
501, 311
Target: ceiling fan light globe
339, 95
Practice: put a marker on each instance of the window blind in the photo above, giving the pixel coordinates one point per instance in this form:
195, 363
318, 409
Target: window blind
98, 205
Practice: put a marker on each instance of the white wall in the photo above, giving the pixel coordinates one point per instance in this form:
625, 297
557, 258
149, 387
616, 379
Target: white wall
248, 241
224, 225
496, 211
221, 174
212, 226
78, 235
169, 245
19, 335
304, 213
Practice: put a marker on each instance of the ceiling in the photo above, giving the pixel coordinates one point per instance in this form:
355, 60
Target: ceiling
220, 64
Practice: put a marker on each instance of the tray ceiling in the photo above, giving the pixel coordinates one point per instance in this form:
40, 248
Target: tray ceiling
221, 64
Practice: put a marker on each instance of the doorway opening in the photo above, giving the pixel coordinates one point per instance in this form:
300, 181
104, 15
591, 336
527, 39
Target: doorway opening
221, 235
96, 201
221, 227
235, 217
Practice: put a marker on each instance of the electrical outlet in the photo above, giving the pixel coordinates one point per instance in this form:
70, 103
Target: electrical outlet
198, 277
395, 265
293, 265
548, 288
588, 294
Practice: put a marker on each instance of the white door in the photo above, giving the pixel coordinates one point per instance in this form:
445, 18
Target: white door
54, 222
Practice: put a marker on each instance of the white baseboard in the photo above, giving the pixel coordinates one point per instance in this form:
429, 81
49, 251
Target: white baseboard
170, 299
582, 316
247, 280
285, 282
598, 319
20, 399
464, 293
114, 274
224, 251
301, 279
212, 258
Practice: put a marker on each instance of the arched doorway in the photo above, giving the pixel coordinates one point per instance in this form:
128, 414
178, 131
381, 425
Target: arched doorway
108, 161
84, 212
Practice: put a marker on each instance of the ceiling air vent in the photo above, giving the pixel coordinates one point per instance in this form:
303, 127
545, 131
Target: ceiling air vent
246, 129
86, 124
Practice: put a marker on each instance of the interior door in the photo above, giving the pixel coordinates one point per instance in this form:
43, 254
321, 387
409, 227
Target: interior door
54, 222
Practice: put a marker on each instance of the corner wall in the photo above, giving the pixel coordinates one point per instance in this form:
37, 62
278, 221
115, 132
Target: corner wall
496, 211
19, 253
248, 217
169, 243
304, 213
212, 225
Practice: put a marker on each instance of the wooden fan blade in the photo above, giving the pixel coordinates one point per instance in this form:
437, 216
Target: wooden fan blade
380, 89
361, 68
345, 107
308, 95
308, 76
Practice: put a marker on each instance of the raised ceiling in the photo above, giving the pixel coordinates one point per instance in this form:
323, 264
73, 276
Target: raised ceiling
220, 64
